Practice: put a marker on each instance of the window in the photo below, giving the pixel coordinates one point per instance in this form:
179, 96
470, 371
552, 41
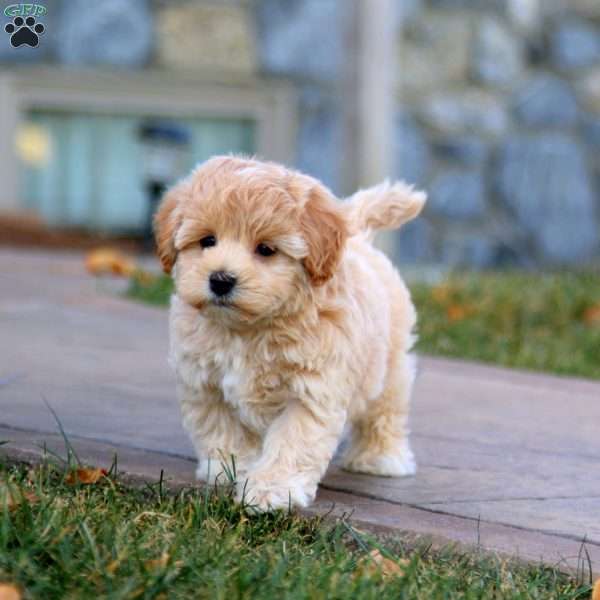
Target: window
87, 170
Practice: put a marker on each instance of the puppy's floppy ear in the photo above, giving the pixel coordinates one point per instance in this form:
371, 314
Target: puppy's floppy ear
166, 222
325, 231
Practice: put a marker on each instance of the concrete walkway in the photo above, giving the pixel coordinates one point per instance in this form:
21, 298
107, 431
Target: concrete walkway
507, 460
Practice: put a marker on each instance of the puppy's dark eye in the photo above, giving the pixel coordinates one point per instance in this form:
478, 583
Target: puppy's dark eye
265, 250
208, 241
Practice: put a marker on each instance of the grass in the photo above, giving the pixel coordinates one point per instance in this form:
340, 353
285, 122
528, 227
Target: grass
531, 321
151, 290
544, 322
107, 540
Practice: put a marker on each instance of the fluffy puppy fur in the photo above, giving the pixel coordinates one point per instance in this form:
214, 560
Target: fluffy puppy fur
311, 338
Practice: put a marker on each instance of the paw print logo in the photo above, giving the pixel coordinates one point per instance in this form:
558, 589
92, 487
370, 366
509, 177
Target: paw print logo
24, 31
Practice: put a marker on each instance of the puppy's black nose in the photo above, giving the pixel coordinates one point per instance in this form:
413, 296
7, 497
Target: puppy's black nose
221, 283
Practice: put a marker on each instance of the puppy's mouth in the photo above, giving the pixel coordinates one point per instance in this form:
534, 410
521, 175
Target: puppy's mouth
231, 307
222, 302
218, 303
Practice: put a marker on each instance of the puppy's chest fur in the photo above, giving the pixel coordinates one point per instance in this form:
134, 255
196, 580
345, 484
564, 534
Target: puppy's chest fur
249, 375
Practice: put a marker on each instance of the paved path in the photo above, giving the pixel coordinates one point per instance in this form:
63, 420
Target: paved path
507, 459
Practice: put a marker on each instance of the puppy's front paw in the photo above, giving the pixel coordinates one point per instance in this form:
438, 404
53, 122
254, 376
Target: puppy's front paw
263, 496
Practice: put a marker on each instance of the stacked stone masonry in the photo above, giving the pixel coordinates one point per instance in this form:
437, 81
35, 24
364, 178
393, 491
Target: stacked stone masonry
498, 117
498, 104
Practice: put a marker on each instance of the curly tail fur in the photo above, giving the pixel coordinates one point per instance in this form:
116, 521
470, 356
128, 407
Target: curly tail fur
384, 206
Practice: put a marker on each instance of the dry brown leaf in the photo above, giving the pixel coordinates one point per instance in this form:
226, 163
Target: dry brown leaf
112, 567
104, 261
9, 592
591, 315
162, 562
596, 590
86, 476
457, 312
158, 563
375, 563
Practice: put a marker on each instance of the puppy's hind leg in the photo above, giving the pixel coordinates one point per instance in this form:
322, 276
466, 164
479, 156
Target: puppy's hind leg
379, 442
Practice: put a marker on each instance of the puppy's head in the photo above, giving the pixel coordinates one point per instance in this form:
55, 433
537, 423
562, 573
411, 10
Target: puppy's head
248, 239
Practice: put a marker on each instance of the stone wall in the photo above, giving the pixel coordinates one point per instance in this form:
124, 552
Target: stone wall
499, 118
302, 40
498, 104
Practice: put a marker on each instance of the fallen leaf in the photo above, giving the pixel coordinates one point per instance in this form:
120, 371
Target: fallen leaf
9, 592
86, 476
457, 312
596, 590
158, 563
112, 567
163, 562
591, 315
375, 563
109, 261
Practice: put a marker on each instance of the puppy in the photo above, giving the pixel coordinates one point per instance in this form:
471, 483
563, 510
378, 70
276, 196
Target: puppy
287, 325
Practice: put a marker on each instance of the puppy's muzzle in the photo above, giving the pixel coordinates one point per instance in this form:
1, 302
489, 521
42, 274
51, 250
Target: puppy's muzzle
221, 283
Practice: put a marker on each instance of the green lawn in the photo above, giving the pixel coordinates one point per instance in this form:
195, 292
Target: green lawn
69, 540
545, 322
152, 290
541, 322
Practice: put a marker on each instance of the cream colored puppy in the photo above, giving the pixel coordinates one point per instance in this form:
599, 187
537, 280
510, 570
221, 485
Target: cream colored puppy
286, 325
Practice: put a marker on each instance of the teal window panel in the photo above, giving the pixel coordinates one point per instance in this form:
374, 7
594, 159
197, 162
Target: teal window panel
78, 172
93, 175
219, 137
120, 198
45, 180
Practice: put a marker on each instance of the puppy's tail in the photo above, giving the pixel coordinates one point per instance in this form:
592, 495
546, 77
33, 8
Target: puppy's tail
384, 206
